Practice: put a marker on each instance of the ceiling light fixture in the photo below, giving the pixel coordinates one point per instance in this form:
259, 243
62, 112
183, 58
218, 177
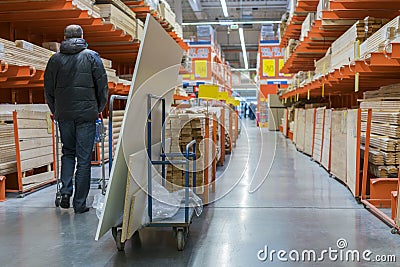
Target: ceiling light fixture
241, 35
225, 23
224, 8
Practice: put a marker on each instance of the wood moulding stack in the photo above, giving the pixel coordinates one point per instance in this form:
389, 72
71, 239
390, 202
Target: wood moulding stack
112, 14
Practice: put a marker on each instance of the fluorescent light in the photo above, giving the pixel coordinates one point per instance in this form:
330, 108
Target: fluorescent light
223, 23
224, 8
241, 35
240, 70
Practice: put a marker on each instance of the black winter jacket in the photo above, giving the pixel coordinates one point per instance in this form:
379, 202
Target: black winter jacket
75, 82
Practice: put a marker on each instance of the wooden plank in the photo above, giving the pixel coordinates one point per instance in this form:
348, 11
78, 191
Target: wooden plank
35, 143
38, 178
33, 133
309, 132
32, 124
164, 76
301, 129
32, 115
36, 152
36, 162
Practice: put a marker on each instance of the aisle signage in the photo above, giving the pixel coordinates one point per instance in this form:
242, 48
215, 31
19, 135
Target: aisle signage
201, 62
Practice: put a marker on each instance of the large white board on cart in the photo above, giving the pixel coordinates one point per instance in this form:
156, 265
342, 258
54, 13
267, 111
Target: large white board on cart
159, 58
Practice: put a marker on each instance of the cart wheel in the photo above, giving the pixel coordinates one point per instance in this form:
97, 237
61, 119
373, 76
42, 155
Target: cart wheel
99, 186
21, 195
57, 202
394, 231
117, 237
180, 238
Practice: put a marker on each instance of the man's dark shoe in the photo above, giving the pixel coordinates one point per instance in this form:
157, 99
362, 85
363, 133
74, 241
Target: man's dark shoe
65, 203
82, 210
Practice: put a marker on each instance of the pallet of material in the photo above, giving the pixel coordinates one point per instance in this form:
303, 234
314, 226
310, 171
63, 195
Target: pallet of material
309, 132
120, 5
388, 130
382, 143
339, 145
87, 5
318, 137
383, 117
112, 14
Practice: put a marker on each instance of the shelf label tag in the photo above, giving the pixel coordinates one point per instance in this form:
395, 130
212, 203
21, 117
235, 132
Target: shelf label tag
285, 100
357, 82
323, 90
297, 97
308, 95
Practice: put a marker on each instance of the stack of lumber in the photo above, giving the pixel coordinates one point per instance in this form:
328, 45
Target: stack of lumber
385, 92
384, 155
323, 66
22, 53
33, 146
352, 147
377, 41
8, 162
306, 26
346, 48
87, 5
166, 12
182, 129
339, 145
384, 171
290, 48
117, 117
120, 19
319, 133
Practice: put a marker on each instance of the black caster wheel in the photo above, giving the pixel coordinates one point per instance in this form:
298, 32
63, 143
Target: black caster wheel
99, 187
394, 231
180, 238
57, 202
21, 195
117, 233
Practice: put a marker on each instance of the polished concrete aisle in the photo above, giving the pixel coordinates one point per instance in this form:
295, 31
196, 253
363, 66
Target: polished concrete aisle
267, 195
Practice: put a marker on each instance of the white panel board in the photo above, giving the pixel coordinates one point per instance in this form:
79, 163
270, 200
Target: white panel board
326, 145
158, 52
351, 149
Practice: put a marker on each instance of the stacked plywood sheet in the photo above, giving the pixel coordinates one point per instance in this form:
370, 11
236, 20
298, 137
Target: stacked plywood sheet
309, 131
384, 171
323, 65
319, 134
306, 26
392, 131
326, 146
339, 145
112, 14
301, 129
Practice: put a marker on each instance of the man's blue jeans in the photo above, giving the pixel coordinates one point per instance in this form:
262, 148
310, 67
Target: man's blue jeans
77, 138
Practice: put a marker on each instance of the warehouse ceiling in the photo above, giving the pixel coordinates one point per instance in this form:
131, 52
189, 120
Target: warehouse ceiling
238, 10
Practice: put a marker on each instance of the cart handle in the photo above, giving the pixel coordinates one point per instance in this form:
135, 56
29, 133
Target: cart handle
191, 144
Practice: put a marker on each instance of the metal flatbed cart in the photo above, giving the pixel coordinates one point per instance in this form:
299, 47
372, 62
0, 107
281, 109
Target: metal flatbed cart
179, 223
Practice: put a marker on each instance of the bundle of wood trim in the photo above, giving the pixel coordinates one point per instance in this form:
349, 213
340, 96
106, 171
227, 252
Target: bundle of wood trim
112, 14
385, 92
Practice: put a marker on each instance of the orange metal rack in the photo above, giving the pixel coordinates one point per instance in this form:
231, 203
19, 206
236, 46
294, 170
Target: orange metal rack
324, 32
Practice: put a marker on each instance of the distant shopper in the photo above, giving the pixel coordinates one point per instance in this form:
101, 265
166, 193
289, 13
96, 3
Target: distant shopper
245, 110
76, 91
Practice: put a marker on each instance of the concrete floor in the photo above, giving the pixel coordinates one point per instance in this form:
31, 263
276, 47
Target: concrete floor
297, 207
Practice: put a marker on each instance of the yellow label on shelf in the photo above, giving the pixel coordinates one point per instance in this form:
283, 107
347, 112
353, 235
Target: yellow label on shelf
200, 69
208, 91
268, 67
223, 96
236, 103
308, 95
285, 100
357, 82
281, 64
323, 90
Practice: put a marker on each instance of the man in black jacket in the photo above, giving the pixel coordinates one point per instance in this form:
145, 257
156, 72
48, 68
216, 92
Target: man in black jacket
76, 91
